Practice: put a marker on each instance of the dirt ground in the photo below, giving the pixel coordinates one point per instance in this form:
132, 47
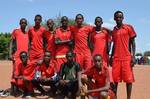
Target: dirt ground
141, 87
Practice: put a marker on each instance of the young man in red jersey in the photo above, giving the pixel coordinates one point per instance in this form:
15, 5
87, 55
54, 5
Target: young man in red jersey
36, 35
81, 48
63, 41
47, 70
123, 53
16, 46
97, 80
49, 37
24, 73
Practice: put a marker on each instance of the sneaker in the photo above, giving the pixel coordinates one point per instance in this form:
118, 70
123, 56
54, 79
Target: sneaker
1, 92
26, 95
5, 94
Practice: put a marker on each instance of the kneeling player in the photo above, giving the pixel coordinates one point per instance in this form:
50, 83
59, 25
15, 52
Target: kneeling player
97, 80
24, 73
44, 73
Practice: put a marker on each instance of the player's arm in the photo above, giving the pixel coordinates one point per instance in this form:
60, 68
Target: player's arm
12, 48
132, 50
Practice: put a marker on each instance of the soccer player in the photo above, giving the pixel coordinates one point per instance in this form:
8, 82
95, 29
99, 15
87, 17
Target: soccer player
97, 80
47, 71
81, 48
49, 37
24, 73
123, 53
101, 40
36, 35
69, 76
63, 41
16, 46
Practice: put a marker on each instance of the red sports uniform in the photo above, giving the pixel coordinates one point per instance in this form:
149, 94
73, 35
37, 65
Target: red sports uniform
100, 42
19, 37
121, 68
62, 49
82, 50
37, 49
49, 36
98, 80
47, 71
26, 71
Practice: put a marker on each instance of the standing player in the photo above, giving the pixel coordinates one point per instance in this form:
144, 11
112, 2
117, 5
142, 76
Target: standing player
16, 46
63, 41
49, 37
123, 53
36, 35
101, 40
81, 48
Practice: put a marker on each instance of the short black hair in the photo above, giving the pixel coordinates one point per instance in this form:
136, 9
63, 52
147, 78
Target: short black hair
97, 55
98, 17
117, 13
79, 15
23, 19
38, 15
64, 17
23, 52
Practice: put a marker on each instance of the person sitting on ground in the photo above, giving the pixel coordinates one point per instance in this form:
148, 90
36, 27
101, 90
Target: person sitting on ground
69, 71
24, 73
44, 73
97, 80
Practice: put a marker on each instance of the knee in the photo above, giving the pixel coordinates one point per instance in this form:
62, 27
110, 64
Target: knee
104, 95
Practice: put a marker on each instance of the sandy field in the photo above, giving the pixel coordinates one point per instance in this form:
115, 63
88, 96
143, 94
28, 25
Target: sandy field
141, 87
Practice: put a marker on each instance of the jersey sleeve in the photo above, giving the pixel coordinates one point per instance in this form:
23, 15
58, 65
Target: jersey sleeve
132, 32
13, 35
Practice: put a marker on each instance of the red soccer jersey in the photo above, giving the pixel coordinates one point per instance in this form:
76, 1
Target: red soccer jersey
98, 78
49, 36
81, 38
36, 37
22, 41
26, 71
47, 71
62, 35
120, 37
100, 41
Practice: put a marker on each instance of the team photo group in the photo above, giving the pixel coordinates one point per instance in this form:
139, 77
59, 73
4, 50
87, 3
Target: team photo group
72, 61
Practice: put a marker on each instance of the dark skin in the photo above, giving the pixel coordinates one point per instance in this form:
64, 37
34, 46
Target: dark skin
79, 23
98, 28
24, 60
64, 23
50, 25
98, 64
69, 57
46, 60
119, 21
37, 20
23, 24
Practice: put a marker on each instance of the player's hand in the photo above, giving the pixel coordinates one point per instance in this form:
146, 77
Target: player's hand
133, 61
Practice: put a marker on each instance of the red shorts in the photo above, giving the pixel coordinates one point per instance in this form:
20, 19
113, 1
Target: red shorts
85, 60
122, 70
